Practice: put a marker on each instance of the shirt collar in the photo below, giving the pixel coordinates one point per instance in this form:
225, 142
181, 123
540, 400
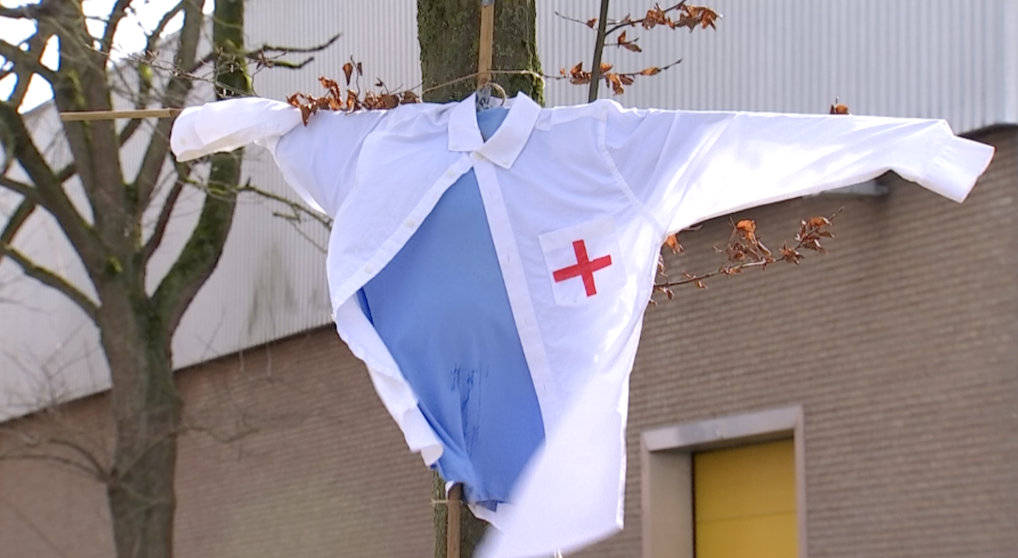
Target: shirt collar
505, 145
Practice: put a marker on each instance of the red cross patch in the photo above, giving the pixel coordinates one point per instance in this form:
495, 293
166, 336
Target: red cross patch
584, 261
584, 268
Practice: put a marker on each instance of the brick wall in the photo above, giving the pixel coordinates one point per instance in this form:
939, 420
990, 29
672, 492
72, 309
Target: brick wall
288, 453
899, 344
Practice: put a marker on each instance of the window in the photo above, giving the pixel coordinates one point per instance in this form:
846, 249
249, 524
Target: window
730, 487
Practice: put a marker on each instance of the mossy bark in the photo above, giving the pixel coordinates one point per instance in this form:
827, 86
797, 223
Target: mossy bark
449, 32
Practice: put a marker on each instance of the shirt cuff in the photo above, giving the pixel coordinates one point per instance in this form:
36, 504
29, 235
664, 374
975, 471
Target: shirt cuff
184, 139
953, 172
229, 125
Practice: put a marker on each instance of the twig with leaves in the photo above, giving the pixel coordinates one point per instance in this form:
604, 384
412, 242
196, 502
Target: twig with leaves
687, 16
745, 250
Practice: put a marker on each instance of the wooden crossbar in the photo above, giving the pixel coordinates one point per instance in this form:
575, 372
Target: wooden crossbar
80, 116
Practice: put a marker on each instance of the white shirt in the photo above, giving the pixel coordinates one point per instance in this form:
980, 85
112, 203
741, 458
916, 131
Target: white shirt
578, 200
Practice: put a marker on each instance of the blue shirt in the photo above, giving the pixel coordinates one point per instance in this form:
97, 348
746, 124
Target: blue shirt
441, 308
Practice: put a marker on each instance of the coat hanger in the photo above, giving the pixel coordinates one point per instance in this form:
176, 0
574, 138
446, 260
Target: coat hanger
485, 99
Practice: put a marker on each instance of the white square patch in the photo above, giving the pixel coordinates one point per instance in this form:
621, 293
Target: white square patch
584, 261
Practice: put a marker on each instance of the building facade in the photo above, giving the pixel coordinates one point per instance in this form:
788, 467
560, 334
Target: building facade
861, 404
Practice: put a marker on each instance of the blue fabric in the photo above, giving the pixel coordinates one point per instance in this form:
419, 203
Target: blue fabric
442, 310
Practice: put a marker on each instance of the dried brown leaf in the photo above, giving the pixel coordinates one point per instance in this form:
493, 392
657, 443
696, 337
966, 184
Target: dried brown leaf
616, 83
409, 97
838, 108
819, 222
672, 242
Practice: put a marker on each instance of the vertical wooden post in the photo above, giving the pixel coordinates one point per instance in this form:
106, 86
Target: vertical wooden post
453, 517
485, 46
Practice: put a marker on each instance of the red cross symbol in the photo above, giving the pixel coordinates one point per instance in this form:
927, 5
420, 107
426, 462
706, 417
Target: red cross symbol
584, 268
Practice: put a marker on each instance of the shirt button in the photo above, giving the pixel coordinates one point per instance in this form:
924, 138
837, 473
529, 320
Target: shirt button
450, 174
505, 162
367, 269
410, 223
477, 156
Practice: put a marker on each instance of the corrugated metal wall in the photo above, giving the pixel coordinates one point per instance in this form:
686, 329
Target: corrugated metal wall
953, 59
914, 58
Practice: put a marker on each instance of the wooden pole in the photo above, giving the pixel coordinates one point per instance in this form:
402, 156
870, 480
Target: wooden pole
115, 114
484, 50
453, 517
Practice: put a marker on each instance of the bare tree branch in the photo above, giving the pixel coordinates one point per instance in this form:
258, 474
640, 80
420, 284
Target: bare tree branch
16, 221
131, 127
48, 191
164, 217
65, 174
116, 14
20, 188
26, 60
156, 34
266, 62
82, 85
36, 47
296, 207
30, 11
176, 92
266, 48
144, 80
202, 251
595, 71
79, 467
589, 23
67, 97
34, 441
267, 56
101, 471
50, 279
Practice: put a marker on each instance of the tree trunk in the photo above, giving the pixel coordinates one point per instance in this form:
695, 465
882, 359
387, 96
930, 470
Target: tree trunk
449, 32
146, 412
137, 331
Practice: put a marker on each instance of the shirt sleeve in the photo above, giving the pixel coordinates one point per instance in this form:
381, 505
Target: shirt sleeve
687, 167
318, 160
